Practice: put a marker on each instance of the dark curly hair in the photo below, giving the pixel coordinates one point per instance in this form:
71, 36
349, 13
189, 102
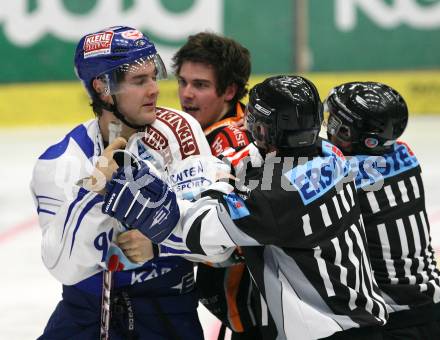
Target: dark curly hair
230, 60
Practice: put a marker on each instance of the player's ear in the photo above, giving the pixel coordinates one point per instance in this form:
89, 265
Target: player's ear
230, 92
101, 89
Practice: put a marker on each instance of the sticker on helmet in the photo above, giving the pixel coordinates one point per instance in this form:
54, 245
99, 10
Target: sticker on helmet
371, 142
262, 109
98, 44
132, 34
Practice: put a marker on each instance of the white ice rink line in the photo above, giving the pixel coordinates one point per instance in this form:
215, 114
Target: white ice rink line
28, 293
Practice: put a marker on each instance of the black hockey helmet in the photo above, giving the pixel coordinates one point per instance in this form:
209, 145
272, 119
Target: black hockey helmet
284, 112
368, 117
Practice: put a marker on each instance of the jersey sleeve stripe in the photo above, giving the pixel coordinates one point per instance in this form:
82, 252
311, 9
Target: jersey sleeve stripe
175, 238
415, 187
90, 205
168, 250
47, 197
45, 211
81, 193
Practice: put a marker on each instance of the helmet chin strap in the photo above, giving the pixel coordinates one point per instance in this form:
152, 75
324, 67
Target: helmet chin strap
122, 118
114, 109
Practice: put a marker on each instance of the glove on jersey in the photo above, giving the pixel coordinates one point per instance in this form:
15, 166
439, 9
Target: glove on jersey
138, 199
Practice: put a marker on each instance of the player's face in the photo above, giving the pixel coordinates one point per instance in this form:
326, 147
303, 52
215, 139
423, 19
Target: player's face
137, 94
198, 93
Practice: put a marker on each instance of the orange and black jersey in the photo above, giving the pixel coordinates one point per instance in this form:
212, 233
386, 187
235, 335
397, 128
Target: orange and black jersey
223, 134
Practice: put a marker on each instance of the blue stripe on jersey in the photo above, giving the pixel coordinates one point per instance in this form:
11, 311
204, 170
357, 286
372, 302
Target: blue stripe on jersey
236, 206
81, 193
175, 238
168, 250
39, 210
50, 198
95, 200
319, 175
372, 169
80, 136
45, 211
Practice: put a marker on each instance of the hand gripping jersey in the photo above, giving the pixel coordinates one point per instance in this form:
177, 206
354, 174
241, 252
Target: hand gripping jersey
76, 234
392, 200
304, 243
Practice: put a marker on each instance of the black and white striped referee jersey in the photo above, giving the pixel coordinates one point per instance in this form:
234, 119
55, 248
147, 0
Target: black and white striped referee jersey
397, 229
304, 244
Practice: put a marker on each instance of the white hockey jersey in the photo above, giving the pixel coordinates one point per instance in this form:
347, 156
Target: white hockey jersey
76, 234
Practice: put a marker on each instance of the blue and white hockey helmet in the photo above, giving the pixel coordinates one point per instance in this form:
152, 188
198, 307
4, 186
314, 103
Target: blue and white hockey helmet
112, 51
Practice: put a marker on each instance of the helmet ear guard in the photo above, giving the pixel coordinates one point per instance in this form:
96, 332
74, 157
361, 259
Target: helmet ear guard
336, 127
375, 143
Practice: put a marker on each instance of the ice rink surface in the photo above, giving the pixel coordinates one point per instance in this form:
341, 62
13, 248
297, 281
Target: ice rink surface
28, 293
